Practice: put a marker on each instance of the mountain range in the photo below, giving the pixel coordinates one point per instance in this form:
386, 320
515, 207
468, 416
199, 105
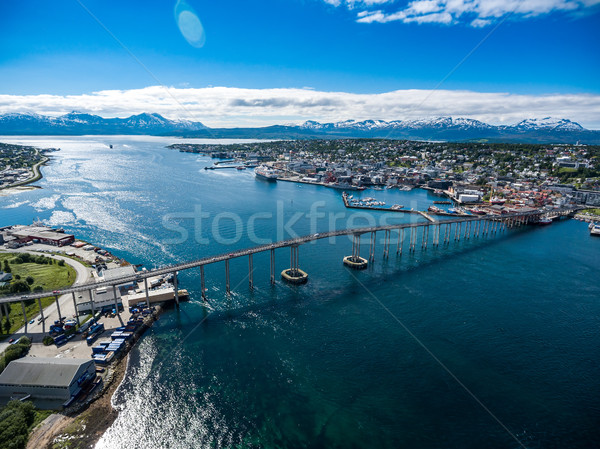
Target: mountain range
546, 130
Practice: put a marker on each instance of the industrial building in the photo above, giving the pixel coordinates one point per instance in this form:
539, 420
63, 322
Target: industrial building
40, 234
46, 378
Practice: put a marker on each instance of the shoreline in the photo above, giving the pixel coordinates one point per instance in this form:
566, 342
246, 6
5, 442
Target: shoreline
37, 175
85, 424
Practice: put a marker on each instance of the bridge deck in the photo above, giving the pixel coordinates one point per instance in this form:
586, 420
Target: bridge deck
271, 246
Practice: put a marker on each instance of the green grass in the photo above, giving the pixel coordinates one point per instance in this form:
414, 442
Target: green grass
49, 277
592, 211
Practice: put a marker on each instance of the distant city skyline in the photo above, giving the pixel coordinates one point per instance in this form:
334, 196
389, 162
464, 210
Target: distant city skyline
276, 62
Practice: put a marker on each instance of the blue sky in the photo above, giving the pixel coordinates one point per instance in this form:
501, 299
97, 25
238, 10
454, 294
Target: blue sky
55, 56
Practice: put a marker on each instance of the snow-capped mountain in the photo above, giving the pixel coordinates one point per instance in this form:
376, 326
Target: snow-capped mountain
80, 123
546, 130
436, 122
549, 123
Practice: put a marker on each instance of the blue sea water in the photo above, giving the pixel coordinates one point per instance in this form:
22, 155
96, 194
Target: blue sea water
490, 342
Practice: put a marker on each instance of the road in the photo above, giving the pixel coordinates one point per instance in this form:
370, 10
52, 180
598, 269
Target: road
34, 331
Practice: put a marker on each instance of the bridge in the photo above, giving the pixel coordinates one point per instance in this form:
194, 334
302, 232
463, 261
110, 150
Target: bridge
443, 232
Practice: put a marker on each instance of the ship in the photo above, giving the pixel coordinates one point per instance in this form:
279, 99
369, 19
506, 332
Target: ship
477, 211
544, 221
595, 230
435, 209
266, 173
344, 186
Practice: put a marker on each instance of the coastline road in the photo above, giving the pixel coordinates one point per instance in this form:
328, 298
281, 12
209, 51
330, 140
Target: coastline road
34, 331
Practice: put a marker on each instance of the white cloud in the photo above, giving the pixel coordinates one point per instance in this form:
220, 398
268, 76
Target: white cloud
232, 107
476, 13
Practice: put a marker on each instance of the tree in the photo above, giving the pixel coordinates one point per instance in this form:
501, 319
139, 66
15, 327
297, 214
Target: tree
19, 287
29, 280
7, 268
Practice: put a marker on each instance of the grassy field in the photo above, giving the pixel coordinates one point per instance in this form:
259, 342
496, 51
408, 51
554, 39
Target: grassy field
592, 211
48, 277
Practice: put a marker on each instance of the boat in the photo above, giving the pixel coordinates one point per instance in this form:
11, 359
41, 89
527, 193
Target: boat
544, 221
240, 167
477, 211
397, 206
378, 188
438, 192
266, 173
344, 186
442, 202
595, 231
434, 209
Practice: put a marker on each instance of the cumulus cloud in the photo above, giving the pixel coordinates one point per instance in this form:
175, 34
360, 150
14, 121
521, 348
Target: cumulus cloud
476, 13
235, 107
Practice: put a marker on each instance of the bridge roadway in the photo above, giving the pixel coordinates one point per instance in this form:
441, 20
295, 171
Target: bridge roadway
281, 244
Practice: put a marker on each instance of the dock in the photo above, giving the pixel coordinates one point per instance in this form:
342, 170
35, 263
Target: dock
387, 209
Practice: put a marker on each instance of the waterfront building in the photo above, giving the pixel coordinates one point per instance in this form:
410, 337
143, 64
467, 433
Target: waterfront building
46, 378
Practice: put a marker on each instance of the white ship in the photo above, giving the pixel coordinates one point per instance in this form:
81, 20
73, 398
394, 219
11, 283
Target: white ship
266, 173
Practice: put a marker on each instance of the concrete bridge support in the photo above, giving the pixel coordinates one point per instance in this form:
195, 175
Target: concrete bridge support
75, 309
386, 244
372, 247
24, 316
272, 266
57, 307
176, 288
92, 302
355, 261
400, 241
202, 283
227, 289
42, 316
250, 272
294, 275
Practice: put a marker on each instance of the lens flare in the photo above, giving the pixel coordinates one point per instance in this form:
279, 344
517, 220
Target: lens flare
189, 24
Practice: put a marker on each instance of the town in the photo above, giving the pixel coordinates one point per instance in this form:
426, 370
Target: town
520, 174
19, 165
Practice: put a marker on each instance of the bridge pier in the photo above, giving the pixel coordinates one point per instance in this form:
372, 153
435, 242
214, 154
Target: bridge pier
202, 283
176, 288
24, 316
117, 304
386, 244
413, 238
272, 266
355, 261
91, 302
146, 291
400, 241
372, 247
75, 308
57, 307
227, 289
294, 275
250, 271
42, 316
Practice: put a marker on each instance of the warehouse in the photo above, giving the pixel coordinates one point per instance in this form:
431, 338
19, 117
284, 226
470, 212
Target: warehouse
46, 378
42, 235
